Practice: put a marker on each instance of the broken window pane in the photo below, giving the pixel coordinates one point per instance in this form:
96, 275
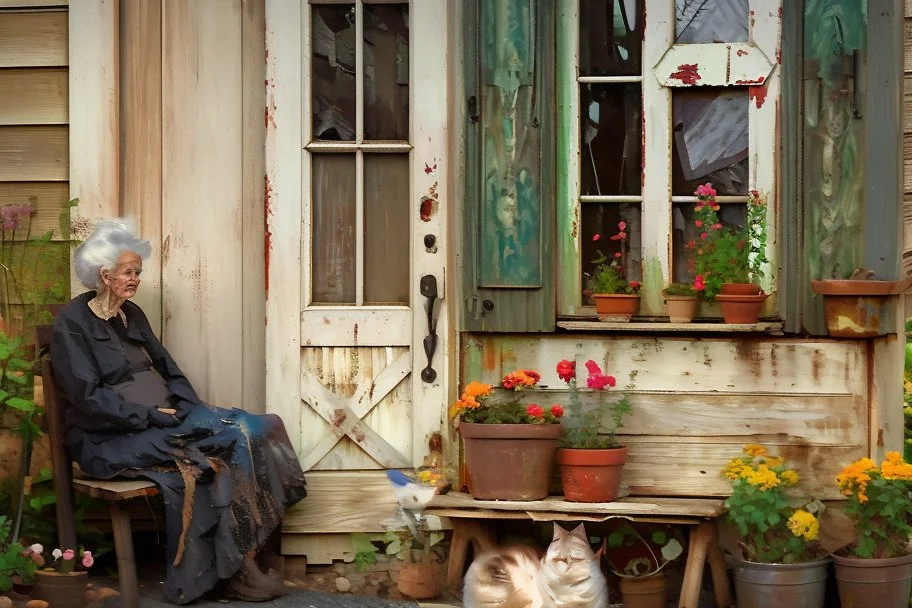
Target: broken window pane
611, 37
686, 235
333, 229
333, 66
710, 21
602, 219
386, 229
611, 139
386, 71
710, 130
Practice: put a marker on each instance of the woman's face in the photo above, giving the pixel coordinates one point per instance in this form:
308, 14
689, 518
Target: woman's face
123, 280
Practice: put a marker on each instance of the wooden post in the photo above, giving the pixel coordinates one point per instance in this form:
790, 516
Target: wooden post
126, 563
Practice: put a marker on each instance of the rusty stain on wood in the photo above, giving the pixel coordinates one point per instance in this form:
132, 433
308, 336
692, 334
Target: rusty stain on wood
687, 73
267, 232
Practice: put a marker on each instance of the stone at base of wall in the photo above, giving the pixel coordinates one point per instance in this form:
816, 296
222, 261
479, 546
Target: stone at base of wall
375, 580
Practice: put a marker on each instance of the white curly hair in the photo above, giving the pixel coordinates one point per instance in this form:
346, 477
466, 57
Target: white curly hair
103, 248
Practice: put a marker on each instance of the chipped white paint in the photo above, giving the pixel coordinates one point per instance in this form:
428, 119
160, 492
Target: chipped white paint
391, 326
94, 83
713, 65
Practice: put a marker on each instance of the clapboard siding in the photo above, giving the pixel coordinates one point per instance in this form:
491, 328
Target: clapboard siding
35, 153
33, 39
697, 401
33, 96
907, 148
48, 198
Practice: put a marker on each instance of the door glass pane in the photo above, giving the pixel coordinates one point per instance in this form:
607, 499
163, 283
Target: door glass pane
386, 229
333, 232
611, 135
709, 21
611, 37
710, 129
686, 235
386, 71
602, 219
333, 66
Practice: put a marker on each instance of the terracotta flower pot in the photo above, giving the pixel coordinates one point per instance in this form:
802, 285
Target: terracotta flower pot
874, 583
591, 475
645, 591
741, 309
616, 307
509, 461
61, 590
858, 308
740, 289
799, 585
420, 581
681, 309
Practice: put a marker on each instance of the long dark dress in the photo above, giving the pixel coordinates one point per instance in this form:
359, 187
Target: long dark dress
241, 467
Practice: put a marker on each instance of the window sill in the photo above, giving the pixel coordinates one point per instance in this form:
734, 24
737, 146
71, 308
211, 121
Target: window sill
641, 325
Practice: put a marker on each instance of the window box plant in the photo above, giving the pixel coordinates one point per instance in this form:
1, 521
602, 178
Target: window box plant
682, 301
617, 299
591, 458
859, 307
781, 563
876, 570
638, 558
521, 438
731, 261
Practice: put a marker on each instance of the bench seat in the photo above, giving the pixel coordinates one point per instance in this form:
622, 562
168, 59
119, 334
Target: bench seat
471, 518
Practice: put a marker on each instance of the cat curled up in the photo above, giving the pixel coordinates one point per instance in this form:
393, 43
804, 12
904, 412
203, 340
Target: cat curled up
568, 576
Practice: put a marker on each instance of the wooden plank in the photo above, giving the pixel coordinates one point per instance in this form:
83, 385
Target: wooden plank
287, 105
10, 4
34, 153
253, 161
887, 421
115, 490
201, 194
660, 326
94, 86
684, 364
338, 326
48, 198
34, 39
907, 44
30, 96
141, 73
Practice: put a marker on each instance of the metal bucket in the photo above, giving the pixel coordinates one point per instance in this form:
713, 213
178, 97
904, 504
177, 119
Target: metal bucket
801, 585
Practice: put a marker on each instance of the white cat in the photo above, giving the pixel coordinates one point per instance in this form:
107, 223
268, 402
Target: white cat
503, 578
570, 575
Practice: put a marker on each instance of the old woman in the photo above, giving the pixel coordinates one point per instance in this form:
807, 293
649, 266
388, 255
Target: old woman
226, 476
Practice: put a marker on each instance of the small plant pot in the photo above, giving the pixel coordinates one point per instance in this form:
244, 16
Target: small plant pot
591, 475
874, 583
858, 308
61, 590
681, 309
420, 581
741, 309
616, 307
740, 289
645, 591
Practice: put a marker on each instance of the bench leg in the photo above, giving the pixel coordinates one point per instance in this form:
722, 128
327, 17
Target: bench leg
721, 586
126, 562
701, 537
465, 532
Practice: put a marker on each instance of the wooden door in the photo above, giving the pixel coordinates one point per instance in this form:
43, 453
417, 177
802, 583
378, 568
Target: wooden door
356, 118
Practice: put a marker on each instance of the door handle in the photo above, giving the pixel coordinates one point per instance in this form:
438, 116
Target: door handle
428, 288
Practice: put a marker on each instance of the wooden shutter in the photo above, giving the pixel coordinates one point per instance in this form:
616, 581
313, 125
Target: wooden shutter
508, 215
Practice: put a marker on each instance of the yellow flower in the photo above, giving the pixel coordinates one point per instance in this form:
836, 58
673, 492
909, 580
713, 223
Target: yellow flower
789, 477
755, 450
763, 478
736, 468
895, 468
773, 461
804, 525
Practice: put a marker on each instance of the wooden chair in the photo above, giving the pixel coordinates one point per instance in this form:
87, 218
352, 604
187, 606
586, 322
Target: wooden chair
113, 491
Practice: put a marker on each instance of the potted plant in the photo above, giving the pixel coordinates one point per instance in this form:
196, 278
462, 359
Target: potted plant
591, 459
682, 300
781, 564
17, 567
617, 299
521, 438
876, 570
731, 260
859, 307
638, 559
60, 583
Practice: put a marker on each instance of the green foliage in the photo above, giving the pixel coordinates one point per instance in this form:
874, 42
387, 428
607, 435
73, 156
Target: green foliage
610, 276
398, 543
16, 385
365, 550
13, 561
586, 428
661, 544
680, 289
907, 395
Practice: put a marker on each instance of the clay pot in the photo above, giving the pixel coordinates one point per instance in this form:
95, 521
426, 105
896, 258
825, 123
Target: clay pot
740, 289
61, 590
645, 592
858, 308
509, 461
874, 583
420, 581
591, 475
800, 585
616, 307
741, 309
681, 309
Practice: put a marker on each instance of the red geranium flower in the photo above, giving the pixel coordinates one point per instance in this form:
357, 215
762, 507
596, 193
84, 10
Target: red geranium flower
566, 370
557, 410
536, 411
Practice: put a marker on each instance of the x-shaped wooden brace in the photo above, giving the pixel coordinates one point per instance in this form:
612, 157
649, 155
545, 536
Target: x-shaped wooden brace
344, 415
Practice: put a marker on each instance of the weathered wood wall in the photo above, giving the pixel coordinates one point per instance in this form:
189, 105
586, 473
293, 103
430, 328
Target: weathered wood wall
698, 401
907, 143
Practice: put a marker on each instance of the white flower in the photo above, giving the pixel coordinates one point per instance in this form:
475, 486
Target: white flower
755, 243
758, 229
752, 257
37, 549
56, 553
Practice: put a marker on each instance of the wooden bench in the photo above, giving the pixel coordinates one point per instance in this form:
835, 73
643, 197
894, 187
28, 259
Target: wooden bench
470, 519
113, 491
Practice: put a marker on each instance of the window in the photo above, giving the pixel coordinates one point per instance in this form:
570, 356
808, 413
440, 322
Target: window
657, 97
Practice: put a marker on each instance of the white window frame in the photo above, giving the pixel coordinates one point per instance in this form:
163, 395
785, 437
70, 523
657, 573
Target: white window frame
656, 202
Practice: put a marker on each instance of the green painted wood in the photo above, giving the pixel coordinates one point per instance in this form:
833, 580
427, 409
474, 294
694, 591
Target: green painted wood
507, 288
568, 254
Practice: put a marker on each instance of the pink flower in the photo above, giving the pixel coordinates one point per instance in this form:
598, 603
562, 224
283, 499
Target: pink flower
596, 236
620, 236
716, 226
622, 226
698, 223
617, 254
87, 559
536, 411
706, 190
634, 284
592, 367
600, 381
699, 285
68, 555
703, 236
566, 370
557, 410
